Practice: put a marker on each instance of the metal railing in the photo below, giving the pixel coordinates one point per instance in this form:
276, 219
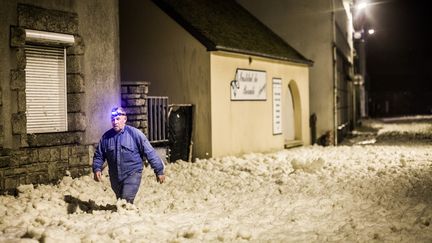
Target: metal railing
157, 114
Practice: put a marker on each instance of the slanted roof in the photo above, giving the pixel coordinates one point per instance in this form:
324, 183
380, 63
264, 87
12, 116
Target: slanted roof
226, 26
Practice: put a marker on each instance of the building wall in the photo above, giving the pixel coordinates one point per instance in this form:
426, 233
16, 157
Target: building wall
344, 25
93, 87
8, 15
308, 27
99, 28
154, 48
247, 126
347, 95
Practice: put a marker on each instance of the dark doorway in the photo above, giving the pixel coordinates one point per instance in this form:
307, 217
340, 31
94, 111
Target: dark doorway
180, 132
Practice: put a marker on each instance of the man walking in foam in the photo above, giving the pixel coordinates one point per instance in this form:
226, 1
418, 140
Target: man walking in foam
125, 147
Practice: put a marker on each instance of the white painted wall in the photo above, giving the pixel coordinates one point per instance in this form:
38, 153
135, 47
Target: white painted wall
307, 26
246, 126
180, 67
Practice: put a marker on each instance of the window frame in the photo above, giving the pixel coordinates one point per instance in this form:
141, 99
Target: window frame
46, 71
44, 48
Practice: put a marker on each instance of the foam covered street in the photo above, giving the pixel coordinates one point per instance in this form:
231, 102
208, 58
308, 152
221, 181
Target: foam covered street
378, 187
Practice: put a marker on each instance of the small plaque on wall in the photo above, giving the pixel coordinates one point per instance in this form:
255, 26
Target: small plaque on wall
277, 106
249, 85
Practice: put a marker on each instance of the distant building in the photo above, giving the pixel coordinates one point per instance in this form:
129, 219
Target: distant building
59, 78
248, 87
321, 30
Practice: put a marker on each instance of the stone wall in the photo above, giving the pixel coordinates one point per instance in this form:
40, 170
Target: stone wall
1, 121
45, 157
134, 99
42, 165
55, 21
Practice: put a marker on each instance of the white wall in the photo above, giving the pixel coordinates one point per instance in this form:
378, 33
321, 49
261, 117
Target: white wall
246, 126
306, 26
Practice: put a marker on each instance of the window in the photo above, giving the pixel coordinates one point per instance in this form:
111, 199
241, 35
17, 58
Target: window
46, 89
45, 74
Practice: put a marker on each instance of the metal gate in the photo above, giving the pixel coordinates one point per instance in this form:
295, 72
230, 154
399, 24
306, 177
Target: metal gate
157, 113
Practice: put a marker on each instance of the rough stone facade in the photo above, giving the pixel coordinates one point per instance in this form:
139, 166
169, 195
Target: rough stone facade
1, 122
42, 164
45, 157
134, 97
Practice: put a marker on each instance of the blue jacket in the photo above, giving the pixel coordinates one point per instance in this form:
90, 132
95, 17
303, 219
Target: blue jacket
125, 152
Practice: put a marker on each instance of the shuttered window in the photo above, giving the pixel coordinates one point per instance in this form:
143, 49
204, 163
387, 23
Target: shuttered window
46, 89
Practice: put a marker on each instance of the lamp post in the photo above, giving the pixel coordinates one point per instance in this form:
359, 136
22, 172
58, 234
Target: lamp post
360, 35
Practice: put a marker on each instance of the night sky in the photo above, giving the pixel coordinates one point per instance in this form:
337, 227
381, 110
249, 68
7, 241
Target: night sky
399, 53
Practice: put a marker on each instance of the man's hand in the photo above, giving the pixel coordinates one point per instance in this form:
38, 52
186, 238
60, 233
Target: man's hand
98, 176
160, 178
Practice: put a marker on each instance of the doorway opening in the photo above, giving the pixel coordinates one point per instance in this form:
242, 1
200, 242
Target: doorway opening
292, 116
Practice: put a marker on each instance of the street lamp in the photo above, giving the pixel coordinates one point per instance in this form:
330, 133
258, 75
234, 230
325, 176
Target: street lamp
360, 19
360, 35
361, 5
361, 32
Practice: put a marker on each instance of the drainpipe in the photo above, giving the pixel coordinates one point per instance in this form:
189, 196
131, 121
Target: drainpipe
354, 105
334, 59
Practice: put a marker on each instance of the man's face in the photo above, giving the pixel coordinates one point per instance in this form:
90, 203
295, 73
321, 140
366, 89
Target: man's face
118, 122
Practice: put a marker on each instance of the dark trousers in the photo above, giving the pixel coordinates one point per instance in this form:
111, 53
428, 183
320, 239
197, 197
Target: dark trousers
128, 188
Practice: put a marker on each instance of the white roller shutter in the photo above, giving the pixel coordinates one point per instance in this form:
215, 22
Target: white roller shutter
46, 89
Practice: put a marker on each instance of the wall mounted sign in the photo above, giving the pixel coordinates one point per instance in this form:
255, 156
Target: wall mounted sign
277, 106
249, 85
